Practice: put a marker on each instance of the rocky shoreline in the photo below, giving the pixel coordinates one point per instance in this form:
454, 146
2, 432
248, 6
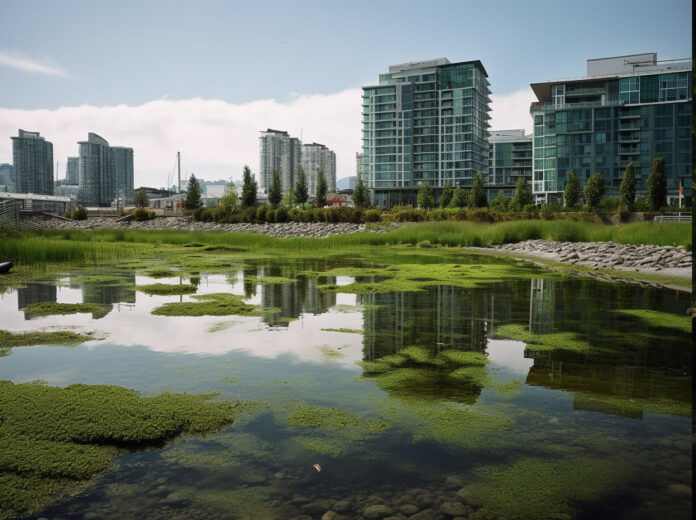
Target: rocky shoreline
285, 229
646, 258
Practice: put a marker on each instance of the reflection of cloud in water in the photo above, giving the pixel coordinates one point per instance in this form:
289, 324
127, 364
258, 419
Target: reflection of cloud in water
509, 355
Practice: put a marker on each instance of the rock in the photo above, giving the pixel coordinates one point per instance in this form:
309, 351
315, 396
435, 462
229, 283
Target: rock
377, 512
409, 509
316, 507
679, 490
454, 482
467, 494
333, 515
454, 509
426, 514
341, 506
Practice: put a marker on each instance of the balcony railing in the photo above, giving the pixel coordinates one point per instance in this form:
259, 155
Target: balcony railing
552, 107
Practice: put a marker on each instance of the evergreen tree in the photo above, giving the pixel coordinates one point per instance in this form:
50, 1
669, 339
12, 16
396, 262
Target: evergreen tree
627, 190
523, 194
478, 192
301, 190
360, 194
288, 199
571, 193
446, 196
460, 198
657, 185
140, 198
322, 188
500, 202
193, 194
594, 190
275, 192
249, 188
425, 197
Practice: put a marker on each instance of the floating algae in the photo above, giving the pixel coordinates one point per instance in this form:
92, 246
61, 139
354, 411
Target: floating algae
41, 309
215, 304
659, 319
52, 438
349, 331
165, 289
23, 339
568, 341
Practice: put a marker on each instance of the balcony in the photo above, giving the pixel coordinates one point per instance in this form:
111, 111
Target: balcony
551, 107
586, 91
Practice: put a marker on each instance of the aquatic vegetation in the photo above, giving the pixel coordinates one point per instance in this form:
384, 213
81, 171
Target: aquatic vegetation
51, 437
456, 425
316, 416
533, 488
416, 277
568, 341
215, 304
273, 280
164, 289
161, 273
41, 309
660, 319
223, 325
348, 331
23, 339
631, 406
328, 351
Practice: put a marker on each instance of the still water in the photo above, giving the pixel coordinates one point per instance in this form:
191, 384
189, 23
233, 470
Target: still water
603, 431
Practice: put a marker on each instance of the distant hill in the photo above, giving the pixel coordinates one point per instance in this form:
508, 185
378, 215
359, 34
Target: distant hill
345, 183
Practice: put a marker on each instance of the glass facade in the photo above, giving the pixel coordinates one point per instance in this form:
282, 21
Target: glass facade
279, 152
314, 157
105, 172
510, 159
122, 171
72, 172
32, 158
424, 122
594, 125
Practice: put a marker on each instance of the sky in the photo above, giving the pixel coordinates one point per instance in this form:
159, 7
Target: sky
205, 77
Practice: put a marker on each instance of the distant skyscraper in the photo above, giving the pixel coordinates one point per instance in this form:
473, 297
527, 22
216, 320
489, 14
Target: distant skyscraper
314, 157
510, 159
7, 177
105, 172
278, 151
96, 181
425, 121
122, 165
72, 172
33, 163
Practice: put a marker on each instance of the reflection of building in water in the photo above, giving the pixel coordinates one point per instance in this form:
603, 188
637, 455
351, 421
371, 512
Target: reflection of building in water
441, 317
112, 291
614, 389
314, 301
541, 305
35, 293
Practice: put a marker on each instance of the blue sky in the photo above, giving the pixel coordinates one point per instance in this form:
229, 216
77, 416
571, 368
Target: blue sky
98, 54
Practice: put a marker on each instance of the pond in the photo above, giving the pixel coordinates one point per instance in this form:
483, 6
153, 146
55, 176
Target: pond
420, 384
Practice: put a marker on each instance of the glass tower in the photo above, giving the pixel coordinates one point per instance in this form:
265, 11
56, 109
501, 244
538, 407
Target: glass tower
72, 172
510, 159
105, 172
122, 171
628, 108
315, 156
425, 121
32, 158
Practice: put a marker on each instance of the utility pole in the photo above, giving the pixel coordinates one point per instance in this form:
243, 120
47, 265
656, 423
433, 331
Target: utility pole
178, 167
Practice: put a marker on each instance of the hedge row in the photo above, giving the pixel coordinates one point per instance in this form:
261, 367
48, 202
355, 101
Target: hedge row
268, 214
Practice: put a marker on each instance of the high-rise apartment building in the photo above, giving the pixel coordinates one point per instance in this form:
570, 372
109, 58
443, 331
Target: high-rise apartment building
6, 177
32, 158
316, 156
510, 159
122, 171
628, 108
426, 121
278, 152
105, 172
72, 171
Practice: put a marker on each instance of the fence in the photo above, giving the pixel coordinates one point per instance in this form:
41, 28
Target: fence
680, 217
9, 214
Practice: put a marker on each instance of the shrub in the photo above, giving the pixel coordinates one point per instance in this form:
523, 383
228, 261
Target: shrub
371, 215
79, 213
261, 214
142, 214
281, 214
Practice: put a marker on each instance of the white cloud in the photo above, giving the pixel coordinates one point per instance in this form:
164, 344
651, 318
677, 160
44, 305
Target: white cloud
511, 111
20, 62
216, 138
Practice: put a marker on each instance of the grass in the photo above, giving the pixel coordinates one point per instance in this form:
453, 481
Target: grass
52, 438
660, 319
23, 339
100, 245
